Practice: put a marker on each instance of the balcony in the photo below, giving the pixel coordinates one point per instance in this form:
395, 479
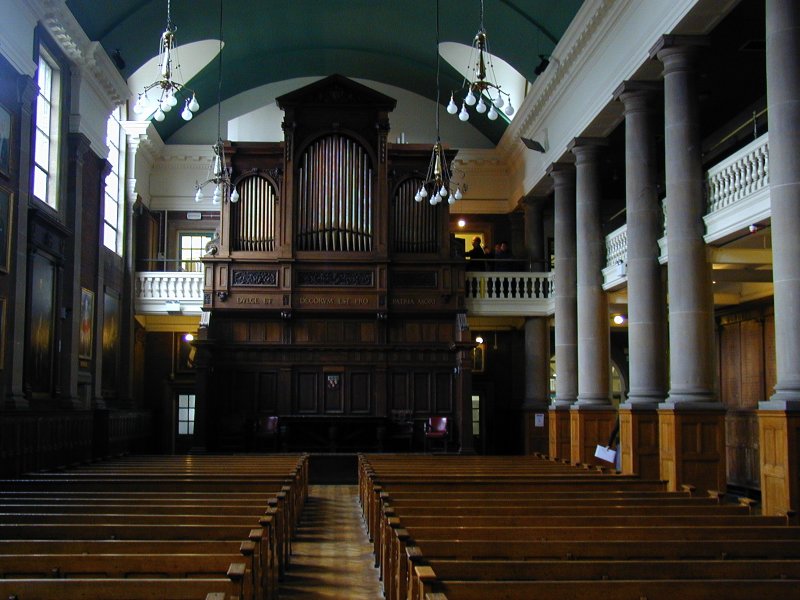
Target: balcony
509, 293
737, 195
168, 292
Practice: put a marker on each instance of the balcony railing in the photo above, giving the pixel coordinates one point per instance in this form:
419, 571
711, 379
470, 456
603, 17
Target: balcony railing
168, 292
509, 293
738, 176
737, 194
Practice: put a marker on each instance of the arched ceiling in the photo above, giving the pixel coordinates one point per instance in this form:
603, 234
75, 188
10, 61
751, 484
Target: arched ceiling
391, 41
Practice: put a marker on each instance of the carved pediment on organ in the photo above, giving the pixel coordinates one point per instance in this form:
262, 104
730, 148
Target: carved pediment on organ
338, 91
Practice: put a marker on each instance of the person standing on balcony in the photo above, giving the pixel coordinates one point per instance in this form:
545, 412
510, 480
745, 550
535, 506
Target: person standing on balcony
502, 255
477, 255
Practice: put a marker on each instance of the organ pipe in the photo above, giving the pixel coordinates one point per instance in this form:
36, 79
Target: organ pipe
334, 197
253, 217
415, 225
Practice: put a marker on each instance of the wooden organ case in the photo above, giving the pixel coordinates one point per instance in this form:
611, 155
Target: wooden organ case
334, 300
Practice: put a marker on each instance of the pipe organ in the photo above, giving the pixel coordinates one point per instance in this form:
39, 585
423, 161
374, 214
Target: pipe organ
334, 301
253, 218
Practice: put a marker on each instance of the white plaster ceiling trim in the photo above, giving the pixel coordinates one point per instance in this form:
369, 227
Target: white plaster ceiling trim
88, 55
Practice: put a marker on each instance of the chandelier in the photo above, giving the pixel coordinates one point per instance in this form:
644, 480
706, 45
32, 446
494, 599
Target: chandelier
439, 175
219, 173
483, 86
165, 86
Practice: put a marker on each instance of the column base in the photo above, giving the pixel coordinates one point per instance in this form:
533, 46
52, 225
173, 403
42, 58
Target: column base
779, 436
535, 424
638, 440
692, 446
590, 426
559, 428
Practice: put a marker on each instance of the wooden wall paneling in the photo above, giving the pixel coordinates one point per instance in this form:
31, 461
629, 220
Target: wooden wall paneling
443, 383
752, 363
334, 331
400, 390
360, 392
267, 392
307, 391
730, 364
421, 380
333, 390
770, 376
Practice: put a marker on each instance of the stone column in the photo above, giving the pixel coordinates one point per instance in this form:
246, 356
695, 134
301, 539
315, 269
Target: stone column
566, 312
537, 389
592, 416
534, 233
537, 340
646, 341
779, 418
691, 428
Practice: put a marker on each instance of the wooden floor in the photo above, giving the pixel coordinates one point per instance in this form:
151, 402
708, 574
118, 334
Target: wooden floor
331, 556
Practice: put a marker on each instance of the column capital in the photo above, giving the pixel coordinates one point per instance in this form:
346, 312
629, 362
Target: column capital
678, 52
532, 202
586, 148
634, 93
563, 173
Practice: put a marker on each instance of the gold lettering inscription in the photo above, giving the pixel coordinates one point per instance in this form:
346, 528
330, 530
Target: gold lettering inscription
252, 300
328, 301
414, 301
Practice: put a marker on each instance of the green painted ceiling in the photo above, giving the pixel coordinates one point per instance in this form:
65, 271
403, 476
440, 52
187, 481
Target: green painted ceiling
391, 41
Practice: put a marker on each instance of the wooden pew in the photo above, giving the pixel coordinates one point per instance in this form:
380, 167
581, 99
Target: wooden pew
665, 589
199, 485
109, 566
118, 589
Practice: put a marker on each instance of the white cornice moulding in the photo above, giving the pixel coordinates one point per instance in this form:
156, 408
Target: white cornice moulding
88, 55
604, 45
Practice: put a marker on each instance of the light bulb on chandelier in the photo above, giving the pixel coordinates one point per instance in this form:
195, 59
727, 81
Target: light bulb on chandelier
482, 90
166, 87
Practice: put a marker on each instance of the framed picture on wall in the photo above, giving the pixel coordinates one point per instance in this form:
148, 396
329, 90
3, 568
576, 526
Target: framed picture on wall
86, 324
6, 214
5, 142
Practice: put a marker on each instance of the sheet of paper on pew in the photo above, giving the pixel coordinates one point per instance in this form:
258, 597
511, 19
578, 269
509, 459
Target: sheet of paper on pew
606, 454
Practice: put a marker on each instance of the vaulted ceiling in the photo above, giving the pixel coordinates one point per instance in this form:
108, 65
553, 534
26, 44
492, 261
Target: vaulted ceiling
266, 41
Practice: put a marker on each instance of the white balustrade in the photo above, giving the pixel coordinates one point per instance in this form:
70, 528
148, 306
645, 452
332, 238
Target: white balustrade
154, 289
617, 247
739, 175
508, 292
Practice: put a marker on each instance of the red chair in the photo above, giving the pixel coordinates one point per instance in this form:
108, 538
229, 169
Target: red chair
436, 430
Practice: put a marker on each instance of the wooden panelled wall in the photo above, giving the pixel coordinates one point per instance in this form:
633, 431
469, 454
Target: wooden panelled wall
746, 342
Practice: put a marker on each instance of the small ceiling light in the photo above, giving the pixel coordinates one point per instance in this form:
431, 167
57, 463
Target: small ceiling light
618, 319
479, 340
462, 223
188, 337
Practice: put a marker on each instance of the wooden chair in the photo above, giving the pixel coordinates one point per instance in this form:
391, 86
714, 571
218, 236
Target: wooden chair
436, 430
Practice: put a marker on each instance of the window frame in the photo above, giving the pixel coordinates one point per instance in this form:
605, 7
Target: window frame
115, 196
53, 135
198, 266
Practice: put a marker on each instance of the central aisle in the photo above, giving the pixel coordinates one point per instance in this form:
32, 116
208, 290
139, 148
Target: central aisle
331, 555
